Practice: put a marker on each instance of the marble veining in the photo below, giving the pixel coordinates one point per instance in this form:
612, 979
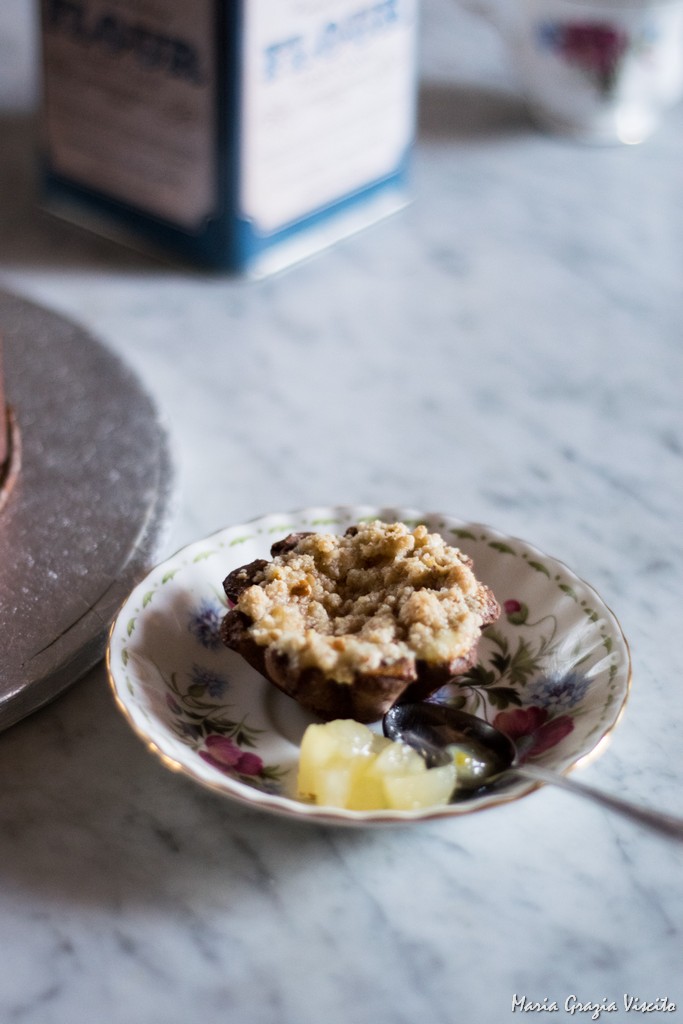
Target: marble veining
507, 350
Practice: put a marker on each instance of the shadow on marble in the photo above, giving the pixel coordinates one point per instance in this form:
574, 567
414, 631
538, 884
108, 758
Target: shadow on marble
90, 818
451, 110
33, 238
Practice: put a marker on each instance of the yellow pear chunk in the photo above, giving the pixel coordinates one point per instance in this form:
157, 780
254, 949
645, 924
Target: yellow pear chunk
344, 764
431, 788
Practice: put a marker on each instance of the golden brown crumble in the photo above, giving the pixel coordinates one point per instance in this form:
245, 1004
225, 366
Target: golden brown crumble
378, 595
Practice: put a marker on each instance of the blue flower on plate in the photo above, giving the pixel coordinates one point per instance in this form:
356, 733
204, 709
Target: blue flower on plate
205, 624
205, 680
558, 692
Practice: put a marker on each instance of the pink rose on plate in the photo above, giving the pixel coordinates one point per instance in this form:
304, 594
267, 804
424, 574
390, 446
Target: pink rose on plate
516, 611
224, 754
532, 730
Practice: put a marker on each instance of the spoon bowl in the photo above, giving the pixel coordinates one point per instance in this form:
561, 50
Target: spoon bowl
484, 756
439, 732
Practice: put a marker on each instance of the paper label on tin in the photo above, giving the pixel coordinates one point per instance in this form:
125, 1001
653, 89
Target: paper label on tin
129, 90
328, 96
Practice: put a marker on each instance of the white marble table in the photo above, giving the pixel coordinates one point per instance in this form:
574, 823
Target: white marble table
507, 350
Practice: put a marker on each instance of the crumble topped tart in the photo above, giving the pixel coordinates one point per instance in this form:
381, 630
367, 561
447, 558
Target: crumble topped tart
348, 624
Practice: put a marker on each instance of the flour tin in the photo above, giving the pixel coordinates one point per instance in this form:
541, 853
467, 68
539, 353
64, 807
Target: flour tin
236, 134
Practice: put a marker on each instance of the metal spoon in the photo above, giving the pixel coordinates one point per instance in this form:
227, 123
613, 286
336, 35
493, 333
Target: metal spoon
432, 728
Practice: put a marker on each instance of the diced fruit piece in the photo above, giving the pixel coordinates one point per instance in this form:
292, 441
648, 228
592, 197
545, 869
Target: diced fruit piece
431, 788
333, 785
366, 793
397, 759
343, 736
344, 764
323, 744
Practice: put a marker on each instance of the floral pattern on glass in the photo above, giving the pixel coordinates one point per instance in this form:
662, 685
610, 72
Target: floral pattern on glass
596, 48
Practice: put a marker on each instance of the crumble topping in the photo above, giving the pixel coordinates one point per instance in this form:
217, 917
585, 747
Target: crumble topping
380, 595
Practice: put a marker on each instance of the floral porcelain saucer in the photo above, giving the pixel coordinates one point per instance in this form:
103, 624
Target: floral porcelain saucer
553, 672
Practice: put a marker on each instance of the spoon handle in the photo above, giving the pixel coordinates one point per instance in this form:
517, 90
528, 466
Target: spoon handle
667, 824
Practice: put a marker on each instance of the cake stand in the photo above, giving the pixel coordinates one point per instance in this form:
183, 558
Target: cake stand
91, 508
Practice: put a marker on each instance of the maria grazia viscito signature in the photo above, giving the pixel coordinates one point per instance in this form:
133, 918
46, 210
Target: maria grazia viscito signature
590, 1009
